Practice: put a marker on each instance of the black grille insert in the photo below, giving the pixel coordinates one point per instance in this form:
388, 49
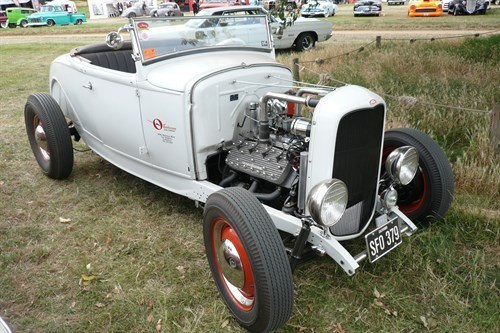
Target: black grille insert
356, 163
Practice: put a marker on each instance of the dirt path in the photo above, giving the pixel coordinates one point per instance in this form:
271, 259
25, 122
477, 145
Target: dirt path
338, 36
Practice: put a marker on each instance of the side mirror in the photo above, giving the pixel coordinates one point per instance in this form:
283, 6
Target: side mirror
114, 40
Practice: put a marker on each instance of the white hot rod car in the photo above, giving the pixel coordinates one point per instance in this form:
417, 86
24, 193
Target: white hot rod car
205, 111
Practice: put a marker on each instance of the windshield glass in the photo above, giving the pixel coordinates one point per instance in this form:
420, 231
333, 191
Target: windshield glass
47, 9
172, 37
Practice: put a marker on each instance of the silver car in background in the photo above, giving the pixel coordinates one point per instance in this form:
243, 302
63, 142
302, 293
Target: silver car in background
166, 9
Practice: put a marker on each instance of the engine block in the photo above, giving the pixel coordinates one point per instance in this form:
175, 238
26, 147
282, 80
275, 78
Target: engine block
259, 160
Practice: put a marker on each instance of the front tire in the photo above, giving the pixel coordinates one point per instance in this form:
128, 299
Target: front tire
51, 23
78, 22
248, 260
23, 23
4, 25
430, 193
305, 42
49, 136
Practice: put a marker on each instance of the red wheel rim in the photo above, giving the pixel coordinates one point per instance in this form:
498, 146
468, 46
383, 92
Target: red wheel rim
412, 196
232, 264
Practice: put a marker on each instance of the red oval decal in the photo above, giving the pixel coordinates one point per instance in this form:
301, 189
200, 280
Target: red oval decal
373, 102
158, 124
143, 25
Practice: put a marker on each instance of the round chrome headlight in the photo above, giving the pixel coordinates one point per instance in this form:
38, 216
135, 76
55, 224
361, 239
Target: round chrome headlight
402, 164
327, 201
390, 198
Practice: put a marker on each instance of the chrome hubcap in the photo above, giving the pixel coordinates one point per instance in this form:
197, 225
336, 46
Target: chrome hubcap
41, 139
230, 263
306, 43
237, 275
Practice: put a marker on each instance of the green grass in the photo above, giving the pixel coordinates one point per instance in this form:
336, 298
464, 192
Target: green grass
144, 245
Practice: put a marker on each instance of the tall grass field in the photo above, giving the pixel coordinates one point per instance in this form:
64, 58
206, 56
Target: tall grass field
107, 252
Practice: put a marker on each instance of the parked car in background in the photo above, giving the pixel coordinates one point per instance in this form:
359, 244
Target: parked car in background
204, 110
270, 4
18, 16
218, 3
367, 8
138, 9
318, 8
395, 2
302, 35
445, 6
166, 9
421, 8
467, 7
51, 15
3, 19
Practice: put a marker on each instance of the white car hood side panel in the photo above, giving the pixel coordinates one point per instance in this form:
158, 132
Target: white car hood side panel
189, 68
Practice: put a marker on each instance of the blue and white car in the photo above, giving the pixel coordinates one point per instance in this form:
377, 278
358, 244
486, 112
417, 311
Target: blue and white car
324, 8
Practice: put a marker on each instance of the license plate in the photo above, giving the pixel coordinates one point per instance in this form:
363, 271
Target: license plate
381, 241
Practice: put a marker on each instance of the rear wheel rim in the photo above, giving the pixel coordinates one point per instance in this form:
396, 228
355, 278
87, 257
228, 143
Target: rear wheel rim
307, 42
232, 264
41, 138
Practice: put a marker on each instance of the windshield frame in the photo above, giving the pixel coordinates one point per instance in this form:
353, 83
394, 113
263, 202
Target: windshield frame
209, 48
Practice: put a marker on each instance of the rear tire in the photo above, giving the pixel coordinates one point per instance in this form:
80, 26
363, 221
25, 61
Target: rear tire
49, 136
78, 22
305, 42
4, 25
131, 15
248, 260
430, 193
23, 23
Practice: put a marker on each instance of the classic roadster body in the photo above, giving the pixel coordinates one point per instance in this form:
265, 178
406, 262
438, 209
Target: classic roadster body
206, 112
